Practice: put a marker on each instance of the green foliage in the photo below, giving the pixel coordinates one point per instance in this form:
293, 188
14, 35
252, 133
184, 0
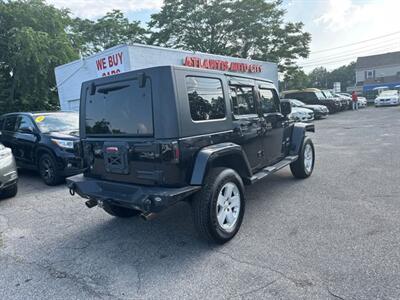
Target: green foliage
33, 43
295, 79
346, 75
320, 78
111, 30
244, 28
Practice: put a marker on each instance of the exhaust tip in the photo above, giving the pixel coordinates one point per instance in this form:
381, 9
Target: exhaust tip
91, 203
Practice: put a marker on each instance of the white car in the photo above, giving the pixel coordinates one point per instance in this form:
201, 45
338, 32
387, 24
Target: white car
300, 114
362, 102
387, 98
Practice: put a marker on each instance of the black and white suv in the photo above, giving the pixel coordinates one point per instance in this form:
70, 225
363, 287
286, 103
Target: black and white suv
156, 136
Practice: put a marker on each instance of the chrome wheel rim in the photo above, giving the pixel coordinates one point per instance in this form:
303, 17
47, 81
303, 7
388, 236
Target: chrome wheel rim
228, 206
308, 158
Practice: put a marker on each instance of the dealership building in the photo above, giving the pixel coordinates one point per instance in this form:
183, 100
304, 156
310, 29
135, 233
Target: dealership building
124, 58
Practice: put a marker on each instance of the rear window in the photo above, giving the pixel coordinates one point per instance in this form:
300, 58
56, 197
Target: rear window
121, 108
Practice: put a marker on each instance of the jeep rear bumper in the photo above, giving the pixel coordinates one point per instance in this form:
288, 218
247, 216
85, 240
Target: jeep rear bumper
144, 198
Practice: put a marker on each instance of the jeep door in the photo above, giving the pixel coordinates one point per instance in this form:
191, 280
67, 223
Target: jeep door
275, 123
248, 127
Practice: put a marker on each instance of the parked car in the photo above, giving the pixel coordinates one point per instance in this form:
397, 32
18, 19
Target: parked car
44, 142
171, 133
300, 114
320, 111
344, 103
349, 103
8, 173
313, 96
362, 102
387, 98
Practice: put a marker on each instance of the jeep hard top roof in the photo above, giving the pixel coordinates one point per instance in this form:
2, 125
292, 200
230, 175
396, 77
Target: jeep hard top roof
191, 69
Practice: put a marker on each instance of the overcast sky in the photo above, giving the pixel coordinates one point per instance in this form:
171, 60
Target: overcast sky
332, 23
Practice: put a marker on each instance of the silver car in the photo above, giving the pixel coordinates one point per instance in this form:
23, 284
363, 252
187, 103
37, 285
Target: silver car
8, 173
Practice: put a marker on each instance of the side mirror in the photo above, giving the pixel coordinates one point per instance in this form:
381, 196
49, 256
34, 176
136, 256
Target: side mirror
286, 108
28, 130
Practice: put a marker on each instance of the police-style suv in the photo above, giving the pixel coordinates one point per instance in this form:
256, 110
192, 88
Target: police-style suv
153, 137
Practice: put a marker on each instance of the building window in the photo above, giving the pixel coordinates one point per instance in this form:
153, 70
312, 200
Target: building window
206, 98
369, 74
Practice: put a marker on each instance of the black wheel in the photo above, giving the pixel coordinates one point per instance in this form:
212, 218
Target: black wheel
218, 207
304, 165
120, 212
10, 191
48, 170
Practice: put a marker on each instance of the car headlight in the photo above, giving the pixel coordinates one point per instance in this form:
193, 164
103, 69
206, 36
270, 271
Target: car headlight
63, 143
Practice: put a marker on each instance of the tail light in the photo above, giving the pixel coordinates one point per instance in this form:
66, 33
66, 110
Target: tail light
175, 152
170, 152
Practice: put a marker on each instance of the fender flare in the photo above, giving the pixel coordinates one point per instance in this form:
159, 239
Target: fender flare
213, 152
42, 149
298, 135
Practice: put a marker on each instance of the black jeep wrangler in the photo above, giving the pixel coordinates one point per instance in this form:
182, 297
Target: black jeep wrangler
153, 137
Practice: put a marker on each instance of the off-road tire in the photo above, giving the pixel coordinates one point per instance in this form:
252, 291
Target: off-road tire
48, 170
9, 192
204, 205
119, 211
298, 167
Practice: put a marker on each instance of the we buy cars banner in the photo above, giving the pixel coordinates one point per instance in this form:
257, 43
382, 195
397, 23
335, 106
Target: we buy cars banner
111, 64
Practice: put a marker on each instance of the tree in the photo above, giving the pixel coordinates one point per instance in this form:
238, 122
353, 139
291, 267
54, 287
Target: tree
244, 28
346, 75
111, 30
319, 78
295, 79
33, 42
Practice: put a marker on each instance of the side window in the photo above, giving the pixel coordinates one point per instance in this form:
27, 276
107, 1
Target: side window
24, 122
1, 123
206, 98
269, 101
9, 124
312, 96
243, 102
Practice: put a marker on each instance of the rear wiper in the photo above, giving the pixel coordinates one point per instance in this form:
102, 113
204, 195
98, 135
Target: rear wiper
111, 89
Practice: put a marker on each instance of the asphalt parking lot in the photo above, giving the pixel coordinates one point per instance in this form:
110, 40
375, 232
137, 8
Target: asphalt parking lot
335, 235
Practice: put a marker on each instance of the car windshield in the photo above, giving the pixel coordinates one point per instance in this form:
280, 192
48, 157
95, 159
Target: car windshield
320, 95
60, 122
328, 94
389, 93
297, 103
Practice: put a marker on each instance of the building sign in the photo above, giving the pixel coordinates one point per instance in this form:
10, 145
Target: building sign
221, 65
110, 64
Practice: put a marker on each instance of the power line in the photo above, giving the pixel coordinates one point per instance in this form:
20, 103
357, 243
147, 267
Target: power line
351, 54
356, 43
337, 61
385, 43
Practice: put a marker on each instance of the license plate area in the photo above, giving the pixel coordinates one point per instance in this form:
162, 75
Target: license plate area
116, 157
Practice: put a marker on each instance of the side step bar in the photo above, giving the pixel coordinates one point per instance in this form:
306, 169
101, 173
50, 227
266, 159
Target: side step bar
272, 169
